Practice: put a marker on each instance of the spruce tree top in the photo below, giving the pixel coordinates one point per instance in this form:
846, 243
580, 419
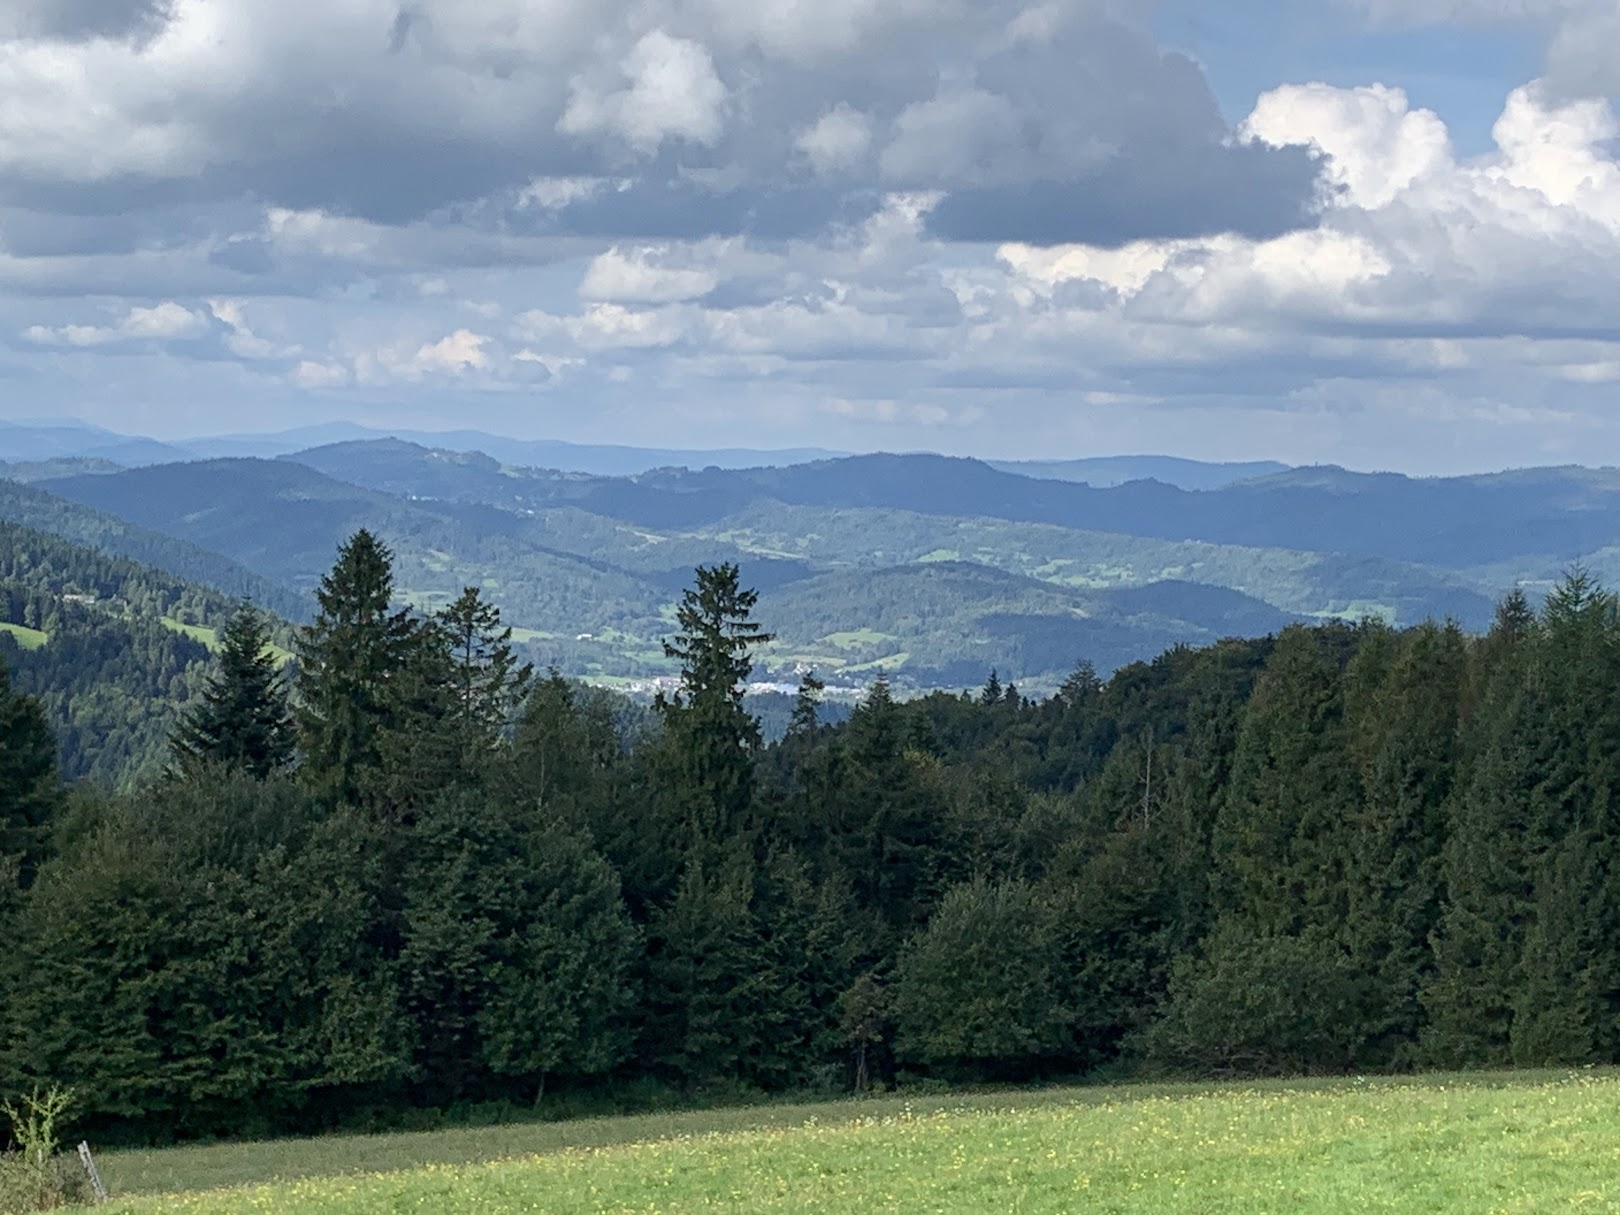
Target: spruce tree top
243, 721
716, 636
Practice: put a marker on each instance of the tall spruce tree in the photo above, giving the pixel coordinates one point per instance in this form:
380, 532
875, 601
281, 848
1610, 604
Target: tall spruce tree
1280, 880
1405, 731
244, 721
1280, 842
350, 665
806, 704
884, 823
711, 738
487, 682
1485, 860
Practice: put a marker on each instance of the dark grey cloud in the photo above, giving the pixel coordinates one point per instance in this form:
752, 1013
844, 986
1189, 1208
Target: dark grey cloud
684, 210
80, 20
1162, 192
704, 109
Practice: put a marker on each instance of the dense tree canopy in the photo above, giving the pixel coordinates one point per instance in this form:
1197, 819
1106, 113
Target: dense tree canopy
1345, 847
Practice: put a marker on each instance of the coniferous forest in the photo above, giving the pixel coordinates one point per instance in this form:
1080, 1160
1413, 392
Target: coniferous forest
407, 873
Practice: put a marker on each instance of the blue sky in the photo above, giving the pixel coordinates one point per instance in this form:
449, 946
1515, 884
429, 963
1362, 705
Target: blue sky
1462, 71
1383, 233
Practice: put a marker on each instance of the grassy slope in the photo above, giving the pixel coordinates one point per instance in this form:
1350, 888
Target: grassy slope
1525, 1143
29, 639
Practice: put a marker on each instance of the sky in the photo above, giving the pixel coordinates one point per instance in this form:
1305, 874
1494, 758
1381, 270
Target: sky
1377, 233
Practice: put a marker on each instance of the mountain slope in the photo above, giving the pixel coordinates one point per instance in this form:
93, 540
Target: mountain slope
1453, 523
34, 507
588, 567
113, 649
946, 623
286, 521
47, 442
1102, 472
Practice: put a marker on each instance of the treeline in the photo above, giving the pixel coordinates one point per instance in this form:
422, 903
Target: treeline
421, 878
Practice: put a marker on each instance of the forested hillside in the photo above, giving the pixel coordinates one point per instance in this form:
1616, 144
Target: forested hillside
111, 648
42, 511
1339, 848
923, 568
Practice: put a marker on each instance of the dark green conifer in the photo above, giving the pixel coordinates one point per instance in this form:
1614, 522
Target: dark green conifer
805, 705
487, 682
244, 721
350, 663
710, 737
1405, 700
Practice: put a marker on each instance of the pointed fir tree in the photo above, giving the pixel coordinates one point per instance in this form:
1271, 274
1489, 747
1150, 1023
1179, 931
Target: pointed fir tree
711, 739
1568, 976
1406, 741
1486, 861
884, 821
1281, 842
990, 694
350, 662
806, 704
244, 721
487, 682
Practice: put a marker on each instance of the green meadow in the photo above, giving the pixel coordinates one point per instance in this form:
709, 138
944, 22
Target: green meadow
27, 638
1529, 1143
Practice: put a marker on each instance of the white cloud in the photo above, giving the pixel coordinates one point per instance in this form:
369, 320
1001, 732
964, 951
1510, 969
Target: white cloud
670, 91
838, 141
736, 210
552, 193
242, 341
1421, 241
453, 354
165, 322
316, 375
639, 277
1377, 143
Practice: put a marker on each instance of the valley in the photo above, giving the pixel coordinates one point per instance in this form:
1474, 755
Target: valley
931, 570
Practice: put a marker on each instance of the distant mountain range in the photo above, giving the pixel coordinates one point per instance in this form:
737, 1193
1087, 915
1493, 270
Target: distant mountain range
930, 568
43, 442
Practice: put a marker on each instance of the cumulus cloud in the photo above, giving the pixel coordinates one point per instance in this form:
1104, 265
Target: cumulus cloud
838, 141
1551, 184
670, 91
165, 322
1005, 226
368, 110
455, 354
639, 277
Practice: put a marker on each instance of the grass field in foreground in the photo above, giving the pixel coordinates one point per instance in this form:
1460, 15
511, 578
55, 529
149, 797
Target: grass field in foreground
1446, 1144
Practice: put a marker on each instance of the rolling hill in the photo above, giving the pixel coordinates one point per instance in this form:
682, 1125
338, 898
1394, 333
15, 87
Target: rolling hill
929, 568
36, 508
112, 648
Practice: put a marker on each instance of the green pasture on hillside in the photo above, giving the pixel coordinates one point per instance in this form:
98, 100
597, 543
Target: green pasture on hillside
27, 638
1531, 1143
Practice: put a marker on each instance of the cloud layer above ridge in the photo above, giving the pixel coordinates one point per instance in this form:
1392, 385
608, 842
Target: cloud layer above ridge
999, 227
